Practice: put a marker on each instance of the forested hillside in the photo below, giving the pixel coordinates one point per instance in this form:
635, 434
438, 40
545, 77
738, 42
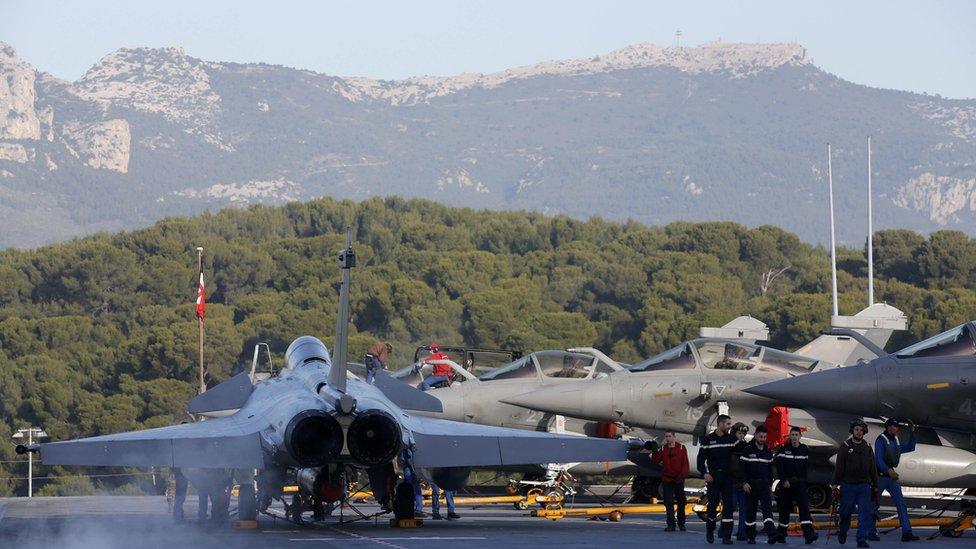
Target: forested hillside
99, 335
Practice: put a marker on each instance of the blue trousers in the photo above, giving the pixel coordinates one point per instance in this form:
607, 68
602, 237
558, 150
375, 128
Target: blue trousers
894, 490
856, 494
435, 501
418, 495
740, 506
431, 381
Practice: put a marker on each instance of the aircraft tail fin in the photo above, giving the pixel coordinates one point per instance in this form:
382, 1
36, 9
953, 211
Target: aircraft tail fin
229, 395
337, 373
877, 323
405, 396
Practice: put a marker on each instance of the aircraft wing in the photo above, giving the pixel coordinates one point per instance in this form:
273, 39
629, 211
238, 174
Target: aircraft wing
444, 443
217, 443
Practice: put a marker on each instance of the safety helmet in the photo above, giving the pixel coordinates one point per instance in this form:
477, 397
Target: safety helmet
434, 348
855, 423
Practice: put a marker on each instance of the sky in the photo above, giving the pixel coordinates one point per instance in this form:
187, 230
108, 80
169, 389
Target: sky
921, 46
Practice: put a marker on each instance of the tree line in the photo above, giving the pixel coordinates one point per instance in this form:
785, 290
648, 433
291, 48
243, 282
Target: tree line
98, 335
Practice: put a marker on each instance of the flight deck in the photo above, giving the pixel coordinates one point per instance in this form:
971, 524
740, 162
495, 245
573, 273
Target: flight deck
143, 522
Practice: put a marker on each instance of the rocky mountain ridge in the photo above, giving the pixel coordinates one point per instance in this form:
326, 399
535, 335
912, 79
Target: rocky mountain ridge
654, 133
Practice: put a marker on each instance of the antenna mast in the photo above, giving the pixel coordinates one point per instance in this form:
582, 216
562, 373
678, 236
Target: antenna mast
870, 234
833, 244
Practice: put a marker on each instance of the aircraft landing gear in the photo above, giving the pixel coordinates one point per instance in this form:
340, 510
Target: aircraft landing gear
643, 489
819, 496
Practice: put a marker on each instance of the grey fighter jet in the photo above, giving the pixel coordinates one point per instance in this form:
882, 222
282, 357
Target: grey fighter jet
684, 388
478, 399
932, 382
314, 416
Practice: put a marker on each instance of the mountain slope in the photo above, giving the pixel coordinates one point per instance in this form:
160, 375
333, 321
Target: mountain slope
719, 131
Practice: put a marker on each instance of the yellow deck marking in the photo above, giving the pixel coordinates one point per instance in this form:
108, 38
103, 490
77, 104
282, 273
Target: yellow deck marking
943, 385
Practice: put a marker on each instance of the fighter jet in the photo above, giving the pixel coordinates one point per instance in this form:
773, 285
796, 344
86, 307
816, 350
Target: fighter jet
684, 388
932, 382
477, 399
313, 416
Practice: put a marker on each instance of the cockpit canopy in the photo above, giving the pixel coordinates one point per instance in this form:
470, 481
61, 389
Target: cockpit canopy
959, 341
550, 364
725, 354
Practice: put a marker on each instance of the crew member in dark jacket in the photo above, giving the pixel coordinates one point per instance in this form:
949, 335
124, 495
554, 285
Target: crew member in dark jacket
857, 474
673, 459
715, 464
888, 449
740, 430
756, 472
791, 466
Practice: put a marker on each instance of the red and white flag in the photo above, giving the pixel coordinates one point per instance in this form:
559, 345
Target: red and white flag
201, 299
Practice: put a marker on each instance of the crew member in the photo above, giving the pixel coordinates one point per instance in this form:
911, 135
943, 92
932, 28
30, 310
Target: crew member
179, 494
715, 464
791, 466
756, 471
442, 373
888, 449
376, 358
857, 475
410, 476
435, 503
740, 430
673, 459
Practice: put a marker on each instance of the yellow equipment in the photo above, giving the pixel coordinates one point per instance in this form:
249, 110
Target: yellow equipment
613, 513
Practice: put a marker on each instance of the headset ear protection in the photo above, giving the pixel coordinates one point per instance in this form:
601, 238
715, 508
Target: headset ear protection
855, 423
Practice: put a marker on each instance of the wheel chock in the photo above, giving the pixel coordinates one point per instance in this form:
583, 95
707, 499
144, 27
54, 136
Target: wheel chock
406, 523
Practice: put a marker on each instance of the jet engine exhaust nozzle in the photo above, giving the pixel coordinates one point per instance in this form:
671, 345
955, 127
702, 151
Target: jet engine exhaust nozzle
374, 438
313, 438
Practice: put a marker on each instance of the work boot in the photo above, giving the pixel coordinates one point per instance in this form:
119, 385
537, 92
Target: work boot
451, 515
908, 536
436, 516
752, 540
669, 528
874, 537
842, 537
710, 532
863, 544
682, 528
809, 539
726, 541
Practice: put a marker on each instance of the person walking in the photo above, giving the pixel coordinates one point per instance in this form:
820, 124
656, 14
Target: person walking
715, 464
435, 503
791, 467
756, 472
856, 474
673, 459
740, 430
888, 449
376, 358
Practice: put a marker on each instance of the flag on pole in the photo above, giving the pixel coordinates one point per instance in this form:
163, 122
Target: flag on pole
201, 299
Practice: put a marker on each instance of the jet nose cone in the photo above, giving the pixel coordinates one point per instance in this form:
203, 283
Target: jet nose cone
589, 399
848, 389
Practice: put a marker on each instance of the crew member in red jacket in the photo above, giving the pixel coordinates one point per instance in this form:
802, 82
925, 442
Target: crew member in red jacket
441, 372
673, 459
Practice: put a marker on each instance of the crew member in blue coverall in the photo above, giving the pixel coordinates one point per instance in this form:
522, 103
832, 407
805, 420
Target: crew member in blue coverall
888, 449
